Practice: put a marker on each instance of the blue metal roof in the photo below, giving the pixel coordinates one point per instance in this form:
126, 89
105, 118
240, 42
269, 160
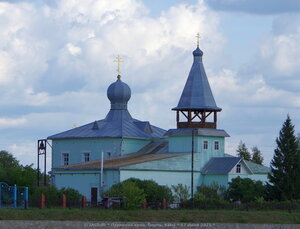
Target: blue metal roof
256, 168
197, 94
118, 122
197, 132
220, 165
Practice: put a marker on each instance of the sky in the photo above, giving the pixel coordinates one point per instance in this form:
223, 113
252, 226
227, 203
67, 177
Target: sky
57, 61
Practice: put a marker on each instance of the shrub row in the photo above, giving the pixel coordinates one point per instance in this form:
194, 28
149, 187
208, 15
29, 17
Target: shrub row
214, 204
54, 196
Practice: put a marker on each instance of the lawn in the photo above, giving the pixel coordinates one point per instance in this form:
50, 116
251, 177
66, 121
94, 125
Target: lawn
194, 216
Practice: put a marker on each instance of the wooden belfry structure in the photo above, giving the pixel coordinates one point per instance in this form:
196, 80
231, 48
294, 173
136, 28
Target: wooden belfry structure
196, 119
197, 105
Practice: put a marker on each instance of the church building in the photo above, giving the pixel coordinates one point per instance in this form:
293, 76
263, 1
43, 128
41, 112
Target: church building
93, 157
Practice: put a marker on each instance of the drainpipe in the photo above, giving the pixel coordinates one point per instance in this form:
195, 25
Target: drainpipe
192, 161
101, 174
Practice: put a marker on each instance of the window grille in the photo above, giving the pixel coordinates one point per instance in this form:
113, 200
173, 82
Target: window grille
216, 145
86, 157
205, 144
65, 158
238, 168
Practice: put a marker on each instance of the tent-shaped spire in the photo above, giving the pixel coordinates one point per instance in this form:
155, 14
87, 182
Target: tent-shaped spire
197, 102
197, 94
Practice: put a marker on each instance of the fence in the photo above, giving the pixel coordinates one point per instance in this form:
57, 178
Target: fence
206, 204
13, 196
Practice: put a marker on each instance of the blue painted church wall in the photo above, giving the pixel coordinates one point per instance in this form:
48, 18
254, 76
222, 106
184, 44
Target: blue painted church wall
130, 145
76, 148
184, 144
166, 178
220, 179
111, 147
182, 163
83, 181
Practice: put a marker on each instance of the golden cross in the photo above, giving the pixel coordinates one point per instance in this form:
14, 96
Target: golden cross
198, 38
118, 61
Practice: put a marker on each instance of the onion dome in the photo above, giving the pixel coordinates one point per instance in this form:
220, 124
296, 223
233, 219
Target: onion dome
197, 52
119, 94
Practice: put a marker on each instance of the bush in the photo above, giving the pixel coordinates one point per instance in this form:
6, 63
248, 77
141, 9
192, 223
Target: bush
213, 204
154, 192
73, 196
132, 195
51, 193
214, 191
181, 192
53, 196
245, 190
207, 204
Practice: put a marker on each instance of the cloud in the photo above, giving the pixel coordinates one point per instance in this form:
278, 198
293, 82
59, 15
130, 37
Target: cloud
278, 56
10, 122
56, 61
255, 6
71, 47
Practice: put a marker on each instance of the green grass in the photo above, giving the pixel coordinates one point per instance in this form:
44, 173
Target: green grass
194, 216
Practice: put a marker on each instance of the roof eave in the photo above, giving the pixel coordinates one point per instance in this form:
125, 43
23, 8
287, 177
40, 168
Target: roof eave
218, 109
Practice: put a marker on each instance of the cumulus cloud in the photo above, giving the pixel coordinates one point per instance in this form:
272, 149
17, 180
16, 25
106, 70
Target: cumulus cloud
255, 6
10, 122
56, 62
278, 56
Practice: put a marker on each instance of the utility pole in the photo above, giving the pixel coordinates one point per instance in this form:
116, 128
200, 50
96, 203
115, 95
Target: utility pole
192, 170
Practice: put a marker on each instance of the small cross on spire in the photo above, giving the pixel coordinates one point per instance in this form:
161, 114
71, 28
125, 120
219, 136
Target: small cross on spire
198, 38
118, 60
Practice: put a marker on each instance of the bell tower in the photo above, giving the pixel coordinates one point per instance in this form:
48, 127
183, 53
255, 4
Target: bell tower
197, 107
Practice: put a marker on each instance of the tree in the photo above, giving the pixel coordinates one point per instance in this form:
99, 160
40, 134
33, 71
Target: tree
256, 156
213, 191
242, 151
245, 190
13, 173
154, 192
132, 195
284, 183
181, 192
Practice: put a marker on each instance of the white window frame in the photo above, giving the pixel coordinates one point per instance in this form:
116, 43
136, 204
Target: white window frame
63, 158
216, 145
84, 154
238, 168
205, 144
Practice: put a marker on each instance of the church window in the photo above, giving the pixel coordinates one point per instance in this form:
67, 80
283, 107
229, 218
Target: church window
65, 157
86, 157
216, 145
238, 168
205, 144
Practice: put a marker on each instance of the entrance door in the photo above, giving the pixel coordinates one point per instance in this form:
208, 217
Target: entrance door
94, 196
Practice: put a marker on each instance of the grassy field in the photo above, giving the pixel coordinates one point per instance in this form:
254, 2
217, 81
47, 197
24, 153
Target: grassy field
195, 216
